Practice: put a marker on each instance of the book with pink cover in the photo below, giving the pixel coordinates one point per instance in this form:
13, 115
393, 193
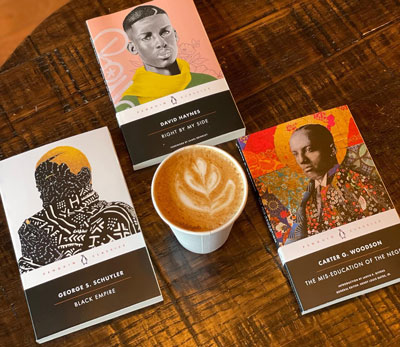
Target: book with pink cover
335, 227
164, 79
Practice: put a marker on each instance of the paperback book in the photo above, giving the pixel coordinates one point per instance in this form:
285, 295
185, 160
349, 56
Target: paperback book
80, 250
164, 79
328, 211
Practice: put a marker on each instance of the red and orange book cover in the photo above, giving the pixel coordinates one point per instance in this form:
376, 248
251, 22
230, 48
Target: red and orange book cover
325, 206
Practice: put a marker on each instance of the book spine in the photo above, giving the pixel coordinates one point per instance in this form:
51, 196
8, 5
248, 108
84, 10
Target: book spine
271, 230
293, 287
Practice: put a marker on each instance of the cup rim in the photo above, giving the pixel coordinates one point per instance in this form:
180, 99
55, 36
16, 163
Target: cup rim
231, 220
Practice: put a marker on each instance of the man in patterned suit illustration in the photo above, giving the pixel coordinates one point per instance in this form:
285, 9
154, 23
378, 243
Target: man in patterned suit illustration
336, 194
73, 219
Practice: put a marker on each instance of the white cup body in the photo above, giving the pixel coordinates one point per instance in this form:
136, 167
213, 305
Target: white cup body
203, 241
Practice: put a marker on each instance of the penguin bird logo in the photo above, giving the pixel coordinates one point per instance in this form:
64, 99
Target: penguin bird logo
84, 260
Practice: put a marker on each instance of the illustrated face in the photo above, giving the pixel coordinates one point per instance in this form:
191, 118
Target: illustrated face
313, 160
155, 40
52, 181
56, 182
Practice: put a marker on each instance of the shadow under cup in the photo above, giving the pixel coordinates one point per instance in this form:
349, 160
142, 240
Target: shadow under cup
203, 241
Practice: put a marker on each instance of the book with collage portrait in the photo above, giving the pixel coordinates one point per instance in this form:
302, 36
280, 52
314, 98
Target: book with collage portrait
326, 206
79, 247
164, 80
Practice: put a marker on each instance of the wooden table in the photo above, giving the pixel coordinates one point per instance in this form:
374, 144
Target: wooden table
282, 59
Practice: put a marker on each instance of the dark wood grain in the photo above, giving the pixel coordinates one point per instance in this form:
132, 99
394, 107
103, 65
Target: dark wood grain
282, 59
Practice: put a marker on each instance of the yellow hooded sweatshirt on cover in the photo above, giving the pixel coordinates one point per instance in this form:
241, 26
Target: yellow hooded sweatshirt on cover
148, 86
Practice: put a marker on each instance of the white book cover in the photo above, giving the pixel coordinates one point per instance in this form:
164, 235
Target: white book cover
77, 240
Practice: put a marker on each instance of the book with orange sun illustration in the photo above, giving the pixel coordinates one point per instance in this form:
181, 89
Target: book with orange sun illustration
78, 243
326, 207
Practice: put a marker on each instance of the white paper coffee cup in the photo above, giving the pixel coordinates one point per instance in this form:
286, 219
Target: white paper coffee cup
203, 241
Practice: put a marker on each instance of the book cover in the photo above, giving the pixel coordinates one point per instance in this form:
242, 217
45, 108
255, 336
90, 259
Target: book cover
164, 79
77, 240
335, 227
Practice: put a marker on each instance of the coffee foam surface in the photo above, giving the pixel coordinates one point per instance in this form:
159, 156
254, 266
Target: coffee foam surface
198, 189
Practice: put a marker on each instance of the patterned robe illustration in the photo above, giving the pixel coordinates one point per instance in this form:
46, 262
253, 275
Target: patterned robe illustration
72, 220
347, 197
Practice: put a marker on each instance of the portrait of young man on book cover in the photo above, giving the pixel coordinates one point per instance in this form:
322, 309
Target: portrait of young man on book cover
153, 50
314, 174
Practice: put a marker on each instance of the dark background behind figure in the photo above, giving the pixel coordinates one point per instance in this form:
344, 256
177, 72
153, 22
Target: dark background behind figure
15, 12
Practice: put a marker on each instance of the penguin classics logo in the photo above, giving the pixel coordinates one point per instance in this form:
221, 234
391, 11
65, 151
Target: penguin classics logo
84, 260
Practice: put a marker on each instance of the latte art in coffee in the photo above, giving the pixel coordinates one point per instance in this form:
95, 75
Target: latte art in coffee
198, 189
204, 178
